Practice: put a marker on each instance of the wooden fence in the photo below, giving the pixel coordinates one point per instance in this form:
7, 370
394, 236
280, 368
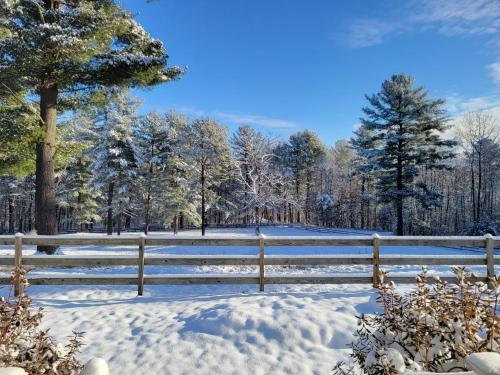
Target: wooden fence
260, 260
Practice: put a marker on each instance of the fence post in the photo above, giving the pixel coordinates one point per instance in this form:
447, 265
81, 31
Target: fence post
490, 261
140, 281
18, 262
261, 262
376, 259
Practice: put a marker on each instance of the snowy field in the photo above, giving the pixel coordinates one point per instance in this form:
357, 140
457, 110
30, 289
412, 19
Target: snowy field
215, 329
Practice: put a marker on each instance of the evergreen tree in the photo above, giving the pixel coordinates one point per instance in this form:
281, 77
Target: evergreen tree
52, 49
407, 128
156, 140
114, 158
304, 151
363, 143
208, 155
180, 198
76, 192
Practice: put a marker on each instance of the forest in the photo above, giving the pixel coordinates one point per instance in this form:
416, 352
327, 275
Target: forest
117, 170
77, 154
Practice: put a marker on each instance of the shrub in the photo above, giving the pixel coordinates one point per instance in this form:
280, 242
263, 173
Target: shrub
23, 344
428, 329
483, 227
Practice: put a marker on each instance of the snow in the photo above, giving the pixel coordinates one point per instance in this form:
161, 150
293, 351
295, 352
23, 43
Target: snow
216, 329
12, 371
209, 329
96, 366
484, 363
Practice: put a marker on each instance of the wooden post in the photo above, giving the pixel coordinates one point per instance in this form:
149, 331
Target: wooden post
490, 261
18, 262
261, 262
140, 281
376, 259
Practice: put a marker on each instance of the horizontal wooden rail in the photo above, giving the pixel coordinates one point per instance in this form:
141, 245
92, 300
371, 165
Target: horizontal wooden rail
232, 279
167, 240
488, 243
240, 260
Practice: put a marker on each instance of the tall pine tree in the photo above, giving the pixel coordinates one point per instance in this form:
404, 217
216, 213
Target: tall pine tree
407, 128
208, 156
52, 49
114, 157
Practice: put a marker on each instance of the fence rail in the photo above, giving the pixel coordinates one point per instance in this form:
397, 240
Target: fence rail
260, 260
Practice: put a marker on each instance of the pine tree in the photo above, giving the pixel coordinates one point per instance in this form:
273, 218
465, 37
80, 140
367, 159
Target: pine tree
180, 199
208, 156
52, 49
363, 144
304, 151
155, 140
76, 192
407, 128
114, 158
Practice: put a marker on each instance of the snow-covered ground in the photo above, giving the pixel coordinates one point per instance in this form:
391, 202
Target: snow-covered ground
215, 329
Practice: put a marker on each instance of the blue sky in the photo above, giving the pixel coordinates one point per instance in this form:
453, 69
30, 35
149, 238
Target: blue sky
289, 65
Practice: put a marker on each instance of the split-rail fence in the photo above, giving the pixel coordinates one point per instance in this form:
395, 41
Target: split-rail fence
485, 257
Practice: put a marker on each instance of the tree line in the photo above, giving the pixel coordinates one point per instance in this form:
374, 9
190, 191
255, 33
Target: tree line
121, 171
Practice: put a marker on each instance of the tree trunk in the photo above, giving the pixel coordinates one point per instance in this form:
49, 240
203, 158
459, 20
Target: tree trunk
362, 211
45, 191
257, 221
176, 224
11, 215
119, 224
399, 198
479, 184
109, 222
202, 199
146, 215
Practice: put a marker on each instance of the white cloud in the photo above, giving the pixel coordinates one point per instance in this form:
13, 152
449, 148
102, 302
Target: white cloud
448, 17
255, 120
369, 32
458, 106
241, 119
495, 71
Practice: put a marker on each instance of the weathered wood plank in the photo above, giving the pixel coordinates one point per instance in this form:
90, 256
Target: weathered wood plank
490, 256
78, 260
431, 241
376, 260
6, 260
318, 279
18, 262
275, 260
319, 241
201, 241
7, 240
261, 263
187, 279
287, 260
348, 279
201, 260
140, 276
81, 240
201, 279
85, 280
388, 260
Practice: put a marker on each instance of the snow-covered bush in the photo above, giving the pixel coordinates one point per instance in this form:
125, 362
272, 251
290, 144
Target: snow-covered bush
23, 344
428, 329
483, 227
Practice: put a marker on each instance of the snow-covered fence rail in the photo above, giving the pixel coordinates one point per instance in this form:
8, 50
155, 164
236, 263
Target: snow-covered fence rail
260, 260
